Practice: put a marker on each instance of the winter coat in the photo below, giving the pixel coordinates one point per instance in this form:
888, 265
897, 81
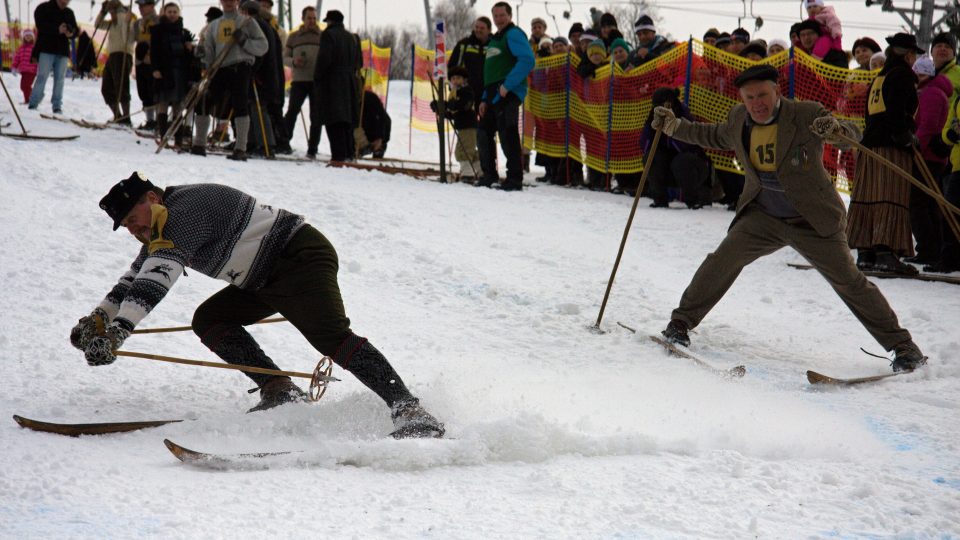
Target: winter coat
169, 54
934, 107
303, 43
646, 137
48, 17
375, 117
951, 71
218, 35
891, 104
829, 23
268, 68
22, 61
799, 160
460, 108
470, 54
655, 48
119, 30
86, 54
830, 39
335, 77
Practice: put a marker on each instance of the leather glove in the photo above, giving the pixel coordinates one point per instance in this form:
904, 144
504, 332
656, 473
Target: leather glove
433, 105
664, 119
825, 127
102, 349
239, 36
88, 328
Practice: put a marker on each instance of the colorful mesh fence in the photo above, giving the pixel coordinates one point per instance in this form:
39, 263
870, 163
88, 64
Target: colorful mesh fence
376, 69
10, 41
422, 91
598, 120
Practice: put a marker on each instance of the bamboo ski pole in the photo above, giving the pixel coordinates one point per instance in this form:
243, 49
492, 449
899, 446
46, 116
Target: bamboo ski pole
932, 182
201, 363
13, 106
127, 34
263, 127
306, 132
893, 166
626, 229
188, 328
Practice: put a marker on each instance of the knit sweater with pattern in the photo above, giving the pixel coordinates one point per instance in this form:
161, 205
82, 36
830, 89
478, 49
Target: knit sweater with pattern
216, 230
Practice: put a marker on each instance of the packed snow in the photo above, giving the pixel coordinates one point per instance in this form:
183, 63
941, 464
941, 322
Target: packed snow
483, 301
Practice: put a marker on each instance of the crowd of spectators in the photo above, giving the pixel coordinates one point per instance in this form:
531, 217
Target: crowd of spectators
243, 50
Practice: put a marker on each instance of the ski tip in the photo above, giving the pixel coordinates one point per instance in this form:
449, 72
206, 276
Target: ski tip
181, 453
21, 421
818, 378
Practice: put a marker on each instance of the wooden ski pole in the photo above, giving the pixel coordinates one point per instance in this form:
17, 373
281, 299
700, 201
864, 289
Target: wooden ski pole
893, 166
935, 186
187, 328
306, 132
263, 127
201, 363
13, 106
626, 230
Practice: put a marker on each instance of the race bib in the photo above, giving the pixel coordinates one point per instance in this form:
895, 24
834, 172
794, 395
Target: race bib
875, 104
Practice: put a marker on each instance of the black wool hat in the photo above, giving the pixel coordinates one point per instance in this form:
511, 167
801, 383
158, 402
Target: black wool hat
333, 16
577, 28
754, 47
945, 38
123, 197
740, 34
644, 23
904, 41
723, 39
809, 24
711, 33
213, 13
762, 72
458, 71
607, 19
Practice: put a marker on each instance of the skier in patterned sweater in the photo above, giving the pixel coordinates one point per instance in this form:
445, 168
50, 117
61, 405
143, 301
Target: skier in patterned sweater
274, 262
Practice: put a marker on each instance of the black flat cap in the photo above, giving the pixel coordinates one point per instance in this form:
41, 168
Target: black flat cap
333, 16
762, 72
123, 197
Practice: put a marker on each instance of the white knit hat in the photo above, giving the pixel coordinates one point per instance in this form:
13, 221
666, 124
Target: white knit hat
924, 66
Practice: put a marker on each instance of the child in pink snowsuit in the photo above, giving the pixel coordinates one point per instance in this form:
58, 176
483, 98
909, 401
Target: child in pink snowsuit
26, 67
831, 33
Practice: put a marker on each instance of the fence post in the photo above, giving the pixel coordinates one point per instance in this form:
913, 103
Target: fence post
566, 123
413, 78
606, 164
791, 70
386, 97
686, 85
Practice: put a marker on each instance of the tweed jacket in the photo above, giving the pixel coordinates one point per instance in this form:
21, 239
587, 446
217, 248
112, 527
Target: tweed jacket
799, 160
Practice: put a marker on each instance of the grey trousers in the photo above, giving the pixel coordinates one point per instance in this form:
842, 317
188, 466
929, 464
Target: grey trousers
756, 234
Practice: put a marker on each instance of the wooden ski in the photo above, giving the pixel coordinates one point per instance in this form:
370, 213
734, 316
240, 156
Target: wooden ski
737, 371
819, 378
890, 275
76, 430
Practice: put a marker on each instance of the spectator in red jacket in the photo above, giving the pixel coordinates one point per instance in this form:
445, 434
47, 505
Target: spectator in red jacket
24, 65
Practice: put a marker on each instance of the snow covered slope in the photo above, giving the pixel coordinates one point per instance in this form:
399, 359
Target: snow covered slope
482, 300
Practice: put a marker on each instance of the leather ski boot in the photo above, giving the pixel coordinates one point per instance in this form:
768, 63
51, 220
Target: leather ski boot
278, 391
676, 333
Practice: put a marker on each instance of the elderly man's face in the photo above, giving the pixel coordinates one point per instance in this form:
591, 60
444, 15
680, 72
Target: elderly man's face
760, 98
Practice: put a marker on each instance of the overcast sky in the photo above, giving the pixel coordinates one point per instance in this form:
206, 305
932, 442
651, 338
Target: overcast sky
681, 18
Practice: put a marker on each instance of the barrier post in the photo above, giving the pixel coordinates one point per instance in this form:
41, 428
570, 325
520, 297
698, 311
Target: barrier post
606, 164
791, 70
686, 85
413, 77
566, 122
386, 96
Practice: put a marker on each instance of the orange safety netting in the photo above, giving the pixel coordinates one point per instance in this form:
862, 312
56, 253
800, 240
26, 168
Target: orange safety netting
376, 69
598, 121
